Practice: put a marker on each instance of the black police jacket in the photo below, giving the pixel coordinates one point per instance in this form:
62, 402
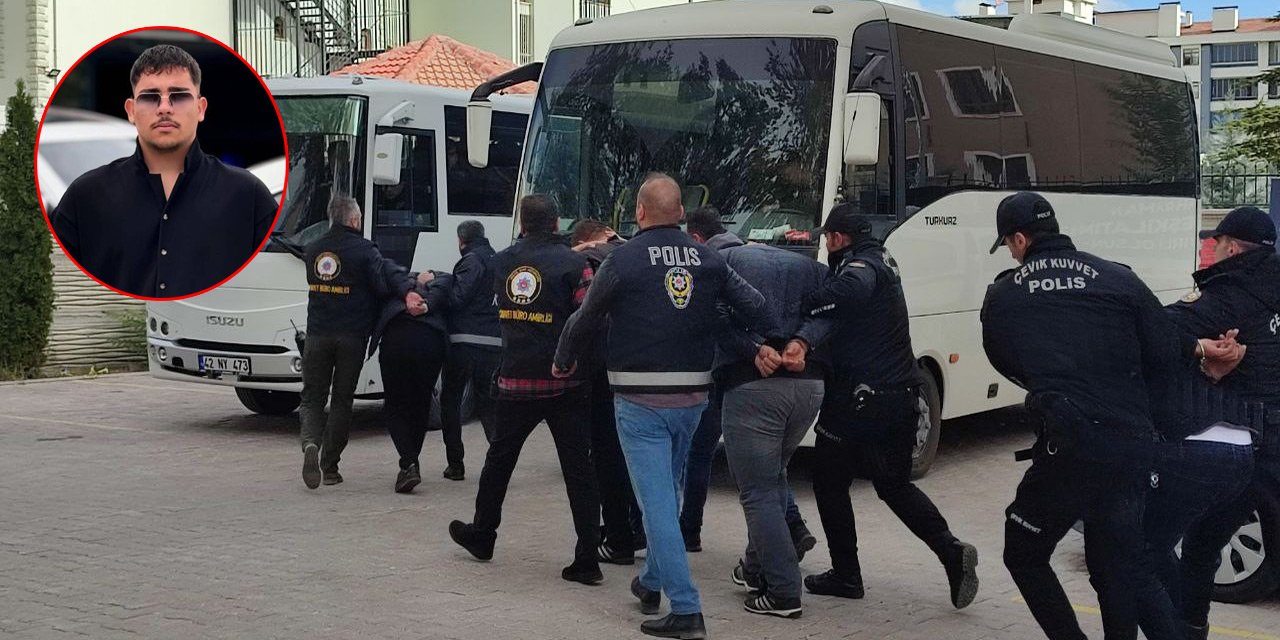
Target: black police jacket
1242, 292
1072, 324
116, 223
537, 281
871, 343
660, 293
473, 311
348, 280
435, 294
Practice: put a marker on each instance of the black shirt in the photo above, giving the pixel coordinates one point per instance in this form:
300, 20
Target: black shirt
115, 222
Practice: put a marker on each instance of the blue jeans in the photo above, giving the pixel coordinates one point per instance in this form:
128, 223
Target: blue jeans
656, 442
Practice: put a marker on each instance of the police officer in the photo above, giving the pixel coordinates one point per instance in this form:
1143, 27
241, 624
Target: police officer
659, 292
539, 281
1076, 332
348, 280
870, 412
1240, 291
475, 343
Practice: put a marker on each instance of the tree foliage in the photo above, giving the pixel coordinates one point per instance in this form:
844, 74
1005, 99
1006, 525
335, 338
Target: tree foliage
26, 281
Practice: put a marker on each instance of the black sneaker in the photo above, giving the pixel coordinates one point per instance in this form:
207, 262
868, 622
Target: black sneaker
686, 627
768, 605
961, 565
802, 539
311, 466
455, 471
332, 477
478, 543
407, 479
692, 541
584, 571
834, 584
751, 581
649, 600
606, 553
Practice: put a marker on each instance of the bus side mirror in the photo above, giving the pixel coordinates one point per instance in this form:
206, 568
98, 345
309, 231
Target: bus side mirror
387, 149
479, 124
861, 128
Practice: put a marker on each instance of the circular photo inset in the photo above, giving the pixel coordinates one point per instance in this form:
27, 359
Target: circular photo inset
141, 163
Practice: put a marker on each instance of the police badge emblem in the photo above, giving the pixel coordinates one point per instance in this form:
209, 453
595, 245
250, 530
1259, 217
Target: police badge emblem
327, 266
523, 285
1191, 297
679, 286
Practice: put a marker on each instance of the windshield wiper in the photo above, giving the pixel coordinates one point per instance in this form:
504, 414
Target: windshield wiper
278, 238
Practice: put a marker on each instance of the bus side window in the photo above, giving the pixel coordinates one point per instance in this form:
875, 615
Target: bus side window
870, 187
490, 191
407, 208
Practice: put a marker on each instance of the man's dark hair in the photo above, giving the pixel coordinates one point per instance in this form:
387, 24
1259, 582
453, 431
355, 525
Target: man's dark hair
1039, 229
538, 214
586, 230
470, 230
704, 221
161, 58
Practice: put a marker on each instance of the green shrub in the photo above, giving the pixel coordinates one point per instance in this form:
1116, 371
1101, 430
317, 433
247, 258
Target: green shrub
135, 322
26, 281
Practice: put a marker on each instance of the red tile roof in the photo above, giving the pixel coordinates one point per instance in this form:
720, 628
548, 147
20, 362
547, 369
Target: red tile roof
438, 61
1247, 25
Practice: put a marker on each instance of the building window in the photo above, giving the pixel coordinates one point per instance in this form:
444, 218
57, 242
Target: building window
1233, 89
366, 40
978, 91
1274, 57
1237, 54
524, 33
1177, 55
277, 27
1190, 56
1273, 89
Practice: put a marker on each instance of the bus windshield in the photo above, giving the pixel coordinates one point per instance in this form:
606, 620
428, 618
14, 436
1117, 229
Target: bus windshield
741, 123
326, 158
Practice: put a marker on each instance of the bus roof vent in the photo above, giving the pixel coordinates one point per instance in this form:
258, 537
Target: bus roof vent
824, 9
1071, 32
582, 21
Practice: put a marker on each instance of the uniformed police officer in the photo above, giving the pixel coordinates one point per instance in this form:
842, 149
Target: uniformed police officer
1241, 290
871, 411
475, 343
660, 292
539, 281
1076, 332
348, 280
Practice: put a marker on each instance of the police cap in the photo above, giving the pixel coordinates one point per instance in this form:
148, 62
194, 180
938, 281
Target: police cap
1017, 211
844, 218
1250, 224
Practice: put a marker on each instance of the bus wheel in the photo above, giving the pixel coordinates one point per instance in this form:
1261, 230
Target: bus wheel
268, 402
467, 412
1250, 568
930, 426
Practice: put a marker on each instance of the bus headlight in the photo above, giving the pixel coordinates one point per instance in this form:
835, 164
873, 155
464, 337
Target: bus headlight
162, 353
297, 365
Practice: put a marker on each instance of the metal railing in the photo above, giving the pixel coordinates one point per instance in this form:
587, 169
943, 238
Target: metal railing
593, 8
1225, 191
315, 37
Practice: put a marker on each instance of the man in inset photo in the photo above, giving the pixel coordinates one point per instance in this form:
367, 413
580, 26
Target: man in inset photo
170, 220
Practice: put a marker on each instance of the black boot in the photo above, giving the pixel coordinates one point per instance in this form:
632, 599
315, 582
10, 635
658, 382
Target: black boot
455, 471
585, 571
478, 543
685, 627
834, 584
649, 600
961, 564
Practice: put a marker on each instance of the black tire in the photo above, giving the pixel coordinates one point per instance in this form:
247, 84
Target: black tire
268, 402
930, 430
1251, 561
468, 410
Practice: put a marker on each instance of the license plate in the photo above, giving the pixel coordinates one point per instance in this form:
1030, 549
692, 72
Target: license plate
224, 364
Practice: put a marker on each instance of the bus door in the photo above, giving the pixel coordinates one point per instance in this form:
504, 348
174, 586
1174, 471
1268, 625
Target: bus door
408, 208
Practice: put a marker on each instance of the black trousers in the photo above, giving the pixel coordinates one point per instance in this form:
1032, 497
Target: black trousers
412, 353
1057, 491
330, 372
568, 418
618, 507
477, 365
885, 459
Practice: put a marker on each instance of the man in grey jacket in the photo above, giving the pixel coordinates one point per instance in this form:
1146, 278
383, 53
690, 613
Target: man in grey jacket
767, 408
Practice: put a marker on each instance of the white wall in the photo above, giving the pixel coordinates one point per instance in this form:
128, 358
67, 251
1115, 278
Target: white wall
623, 6
79, 25
487, 24
549, 18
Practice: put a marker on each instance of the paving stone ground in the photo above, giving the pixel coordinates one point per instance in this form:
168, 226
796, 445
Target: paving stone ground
137, 508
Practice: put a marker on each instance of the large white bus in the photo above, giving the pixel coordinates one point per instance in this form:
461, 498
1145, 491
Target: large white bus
774, 110
400, 150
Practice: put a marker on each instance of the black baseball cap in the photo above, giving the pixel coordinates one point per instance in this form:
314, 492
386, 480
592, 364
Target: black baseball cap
1250, 224
1018, 211
844, 218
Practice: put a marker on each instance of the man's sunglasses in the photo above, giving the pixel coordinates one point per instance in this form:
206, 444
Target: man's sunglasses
177, 99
